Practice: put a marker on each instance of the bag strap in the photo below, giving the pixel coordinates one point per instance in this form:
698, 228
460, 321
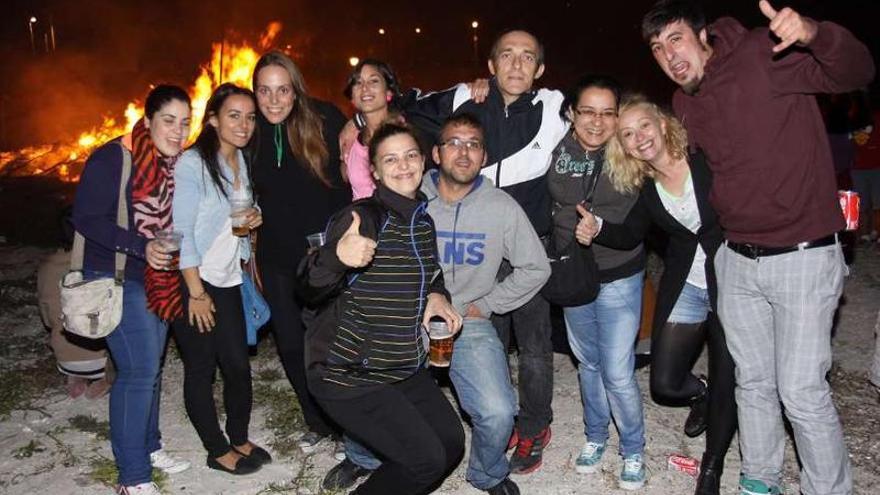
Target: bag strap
76, 256
588, 193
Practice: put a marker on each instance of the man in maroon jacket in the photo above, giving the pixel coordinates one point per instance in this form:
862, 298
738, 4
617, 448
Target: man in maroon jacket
746, 100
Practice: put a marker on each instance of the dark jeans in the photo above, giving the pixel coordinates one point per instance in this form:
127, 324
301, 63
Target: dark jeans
289, 333
673, 352
226, 345
411, 427
531, 326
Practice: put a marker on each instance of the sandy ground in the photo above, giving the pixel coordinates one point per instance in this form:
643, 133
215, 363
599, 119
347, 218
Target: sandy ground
41, 452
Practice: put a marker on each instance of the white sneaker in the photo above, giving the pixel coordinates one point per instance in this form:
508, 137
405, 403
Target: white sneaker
339, 450
169, 465
148, 488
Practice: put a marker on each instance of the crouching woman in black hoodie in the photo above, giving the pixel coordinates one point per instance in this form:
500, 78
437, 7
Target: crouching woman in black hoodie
378, 282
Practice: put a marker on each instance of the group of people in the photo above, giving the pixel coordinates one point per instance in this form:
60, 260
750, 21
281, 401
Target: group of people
739, 179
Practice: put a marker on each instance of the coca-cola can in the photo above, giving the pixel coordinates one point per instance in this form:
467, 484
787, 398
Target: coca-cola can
683, 463
849, 203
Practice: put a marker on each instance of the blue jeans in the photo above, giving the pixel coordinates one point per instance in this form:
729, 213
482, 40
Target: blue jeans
480, 375
692, 306
136, 347
602, 336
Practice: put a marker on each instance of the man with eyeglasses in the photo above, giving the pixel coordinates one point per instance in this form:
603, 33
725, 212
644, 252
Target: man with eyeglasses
746, 99
478, 227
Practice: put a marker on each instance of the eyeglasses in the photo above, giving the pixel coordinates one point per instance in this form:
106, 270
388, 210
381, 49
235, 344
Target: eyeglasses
592, 114
459, 144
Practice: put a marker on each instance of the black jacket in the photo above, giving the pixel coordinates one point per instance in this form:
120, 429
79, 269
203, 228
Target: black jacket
519, 139
294, 202
368, 328
682, 246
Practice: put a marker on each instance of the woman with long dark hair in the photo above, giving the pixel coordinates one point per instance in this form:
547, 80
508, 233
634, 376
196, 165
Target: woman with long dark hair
151, 290
373, 90
209, 177
297, 179
652, 144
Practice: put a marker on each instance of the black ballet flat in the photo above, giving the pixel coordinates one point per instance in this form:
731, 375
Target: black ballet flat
244, 466
258, 455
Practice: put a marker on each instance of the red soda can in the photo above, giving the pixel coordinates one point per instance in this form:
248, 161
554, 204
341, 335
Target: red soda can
849, 203
683, 463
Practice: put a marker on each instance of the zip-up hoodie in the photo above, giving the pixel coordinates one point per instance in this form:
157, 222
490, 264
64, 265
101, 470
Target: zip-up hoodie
474, 235
520, 138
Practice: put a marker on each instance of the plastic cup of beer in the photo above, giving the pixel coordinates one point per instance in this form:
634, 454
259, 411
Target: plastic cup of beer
238, 209
169, 240
316, 240
440, 351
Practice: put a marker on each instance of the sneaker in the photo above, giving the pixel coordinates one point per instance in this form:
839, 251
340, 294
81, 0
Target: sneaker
148, 488
310, 440
506, 487
529, 452
748, 486
514, 439
167, 464
633, 474
339, 450
590, 458
343, 475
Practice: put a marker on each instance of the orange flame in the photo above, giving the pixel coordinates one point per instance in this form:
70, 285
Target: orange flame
230, 62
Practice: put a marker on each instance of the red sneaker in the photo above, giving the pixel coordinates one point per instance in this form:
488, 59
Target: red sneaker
529, 452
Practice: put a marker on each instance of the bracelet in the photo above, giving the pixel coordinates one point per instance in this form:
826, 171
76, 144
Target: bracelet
201, 297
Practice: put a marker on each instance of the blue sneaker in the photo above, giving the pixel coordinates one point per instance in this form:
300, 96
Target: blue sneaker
633, 475
748, 486
590, 458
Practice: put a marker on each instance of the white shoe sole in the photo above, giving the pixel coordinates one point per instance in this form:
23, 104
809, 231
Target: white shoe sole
177, 468
588, 469
630, 485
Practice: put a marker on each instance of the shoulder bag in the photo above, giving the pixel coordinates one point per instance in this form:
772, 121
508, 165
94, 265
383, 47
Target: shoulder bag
574, 275
93, 308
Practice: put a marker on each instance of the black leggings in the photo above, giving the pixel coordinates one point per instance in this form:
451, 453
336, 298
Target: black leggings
226, 345
289, 334
673, 352
413, 429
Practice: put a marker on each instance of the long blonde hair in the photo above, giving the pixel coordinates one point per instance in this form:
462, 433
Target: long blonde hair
304, 124
627, 173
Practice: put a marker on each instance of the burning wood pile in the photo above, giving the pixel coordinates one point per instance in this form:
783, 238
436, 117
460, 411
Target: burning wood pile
230, 62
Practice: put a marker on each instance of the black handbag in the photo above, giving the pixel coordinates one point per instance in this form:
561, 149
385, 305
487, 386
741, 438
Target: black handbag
574, 275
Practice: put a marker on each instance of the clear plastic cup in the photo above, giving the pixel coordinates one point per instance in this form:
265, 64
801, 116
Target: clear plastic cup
238, 209
316, 240
169, 240
440, 351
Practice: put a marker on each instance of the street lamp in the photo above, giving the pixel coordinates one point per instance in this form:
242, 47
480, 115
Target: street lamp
382, 31
31, 22
418, 30
353, 61
474, 26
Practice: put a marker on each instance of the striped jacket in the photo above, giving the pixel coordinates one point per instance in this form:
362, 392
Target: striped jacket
369, 332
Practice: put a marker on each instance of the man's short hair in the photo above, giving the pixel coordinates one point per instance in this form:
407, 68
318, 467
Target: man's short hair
465, 119
666, 12
494, 50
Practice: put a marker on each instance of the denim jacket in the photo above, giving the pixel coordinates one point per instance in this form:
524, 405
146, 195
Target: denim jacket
199, 209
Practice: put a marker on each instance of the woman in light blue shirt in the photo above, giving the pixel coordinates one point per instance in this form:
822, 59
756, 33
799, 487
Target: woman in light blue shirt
211, 175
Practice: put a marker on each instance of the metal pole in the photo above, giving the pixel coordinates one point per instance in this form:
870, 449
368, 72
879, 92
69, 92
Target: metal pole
52, 32
31, 30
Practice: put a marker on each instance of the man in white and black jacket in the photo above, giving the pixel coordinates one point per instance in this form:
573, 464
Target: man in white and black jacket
522, 126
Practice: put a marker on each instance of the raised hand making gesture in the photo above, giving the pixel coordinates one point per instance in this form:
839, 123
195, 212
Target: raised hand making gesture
789, 26
353, 249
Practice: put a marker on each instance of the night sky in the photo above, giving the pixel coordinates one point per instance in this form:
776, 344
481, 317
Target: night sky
108, 52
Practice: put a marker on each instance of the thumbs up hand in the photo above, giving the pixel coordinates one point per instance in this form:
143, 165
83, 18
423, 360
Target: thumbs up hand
353, 249
789, 26
587, 227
